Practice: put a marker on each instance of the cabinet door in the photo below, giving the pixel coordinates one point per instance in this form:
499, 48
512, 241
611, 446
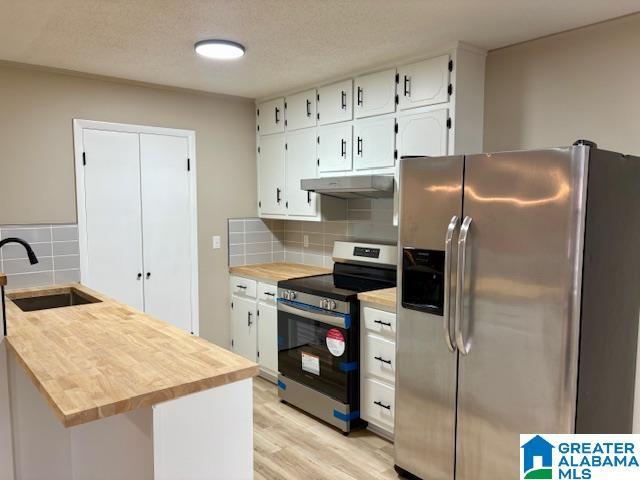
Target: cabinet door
271, 117
300, 110
375, 93
113, 215
335, 103
424, 83
300, 163
268, 336
335, 152
166, 227
271, 174
374, 144
423, 134
244, 328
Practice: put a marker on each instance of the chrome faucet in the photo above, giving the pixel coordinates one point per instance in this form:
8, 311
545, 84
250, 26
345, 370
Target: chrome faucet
32, 260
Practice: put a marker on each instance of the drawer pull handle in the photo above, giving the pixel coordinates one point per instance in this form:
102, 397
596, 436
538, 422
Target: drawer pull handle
385, 324
270, 294
380, 359
380, 404
242, 287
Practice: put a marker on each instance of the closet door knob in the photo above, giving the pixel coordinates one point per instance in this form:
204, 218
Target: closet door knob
139, 276
148, 275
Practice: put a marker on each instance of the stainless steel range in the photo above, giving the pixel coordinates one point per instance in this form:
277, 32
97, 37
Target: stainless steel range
318, 332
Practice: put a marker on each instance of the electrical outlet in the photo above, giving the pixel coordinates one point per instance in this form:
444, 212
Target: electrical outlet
216, 242
305, 239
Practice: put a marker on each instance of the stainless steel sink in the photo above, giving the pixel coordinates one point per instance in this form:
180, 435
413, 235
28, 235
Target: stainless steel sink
69, 298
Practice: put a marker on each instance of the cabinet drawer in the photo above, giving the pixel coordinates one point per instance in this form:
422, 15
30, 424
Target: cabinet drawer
380, 358
380, 322
378, 403
267, 293
243, 287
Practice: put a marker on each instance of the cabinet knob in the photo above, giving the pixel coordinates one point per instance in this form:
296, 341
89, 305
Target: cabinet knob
148, 275
139, 276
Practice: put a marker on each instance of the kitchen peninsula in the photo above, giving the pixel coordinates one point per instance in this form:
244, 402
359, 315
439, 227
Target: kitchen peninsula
101, 390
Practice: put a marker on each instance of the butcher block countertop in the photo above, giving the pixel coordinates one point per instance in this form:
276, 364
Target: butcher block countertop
101, 359
385, 297
276, 272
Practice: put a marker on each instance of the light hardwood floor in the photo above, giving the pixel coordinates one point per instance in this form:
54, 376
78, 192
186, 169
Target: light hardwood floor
289, 444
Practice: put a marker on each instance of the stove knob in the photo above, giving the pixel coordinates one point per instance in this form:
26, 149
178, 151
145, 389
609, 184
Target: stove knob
292, 295
285, 294
323, 303
332, 305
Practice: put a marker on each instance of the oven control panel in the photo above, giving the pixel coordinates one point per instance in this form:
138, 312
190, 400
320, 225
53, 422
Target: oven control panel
328, 304
316, 301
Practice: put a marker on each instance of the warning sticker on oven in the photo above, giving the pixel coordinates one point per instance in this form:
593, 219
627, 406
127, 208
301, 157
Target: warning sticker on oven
311, 363
335, 342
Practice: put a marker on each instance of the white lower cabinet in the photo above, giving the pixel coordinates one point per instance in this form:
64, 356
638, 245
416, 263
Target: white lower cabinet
254, 323
378, 368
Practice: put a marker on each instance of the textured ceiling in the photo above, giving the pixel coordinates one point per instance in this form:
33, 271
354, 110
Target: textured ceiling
289, 42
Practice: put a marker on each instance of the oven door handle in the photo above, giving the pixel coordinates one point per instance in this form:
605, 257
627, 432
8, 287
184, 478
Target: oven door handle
335, 320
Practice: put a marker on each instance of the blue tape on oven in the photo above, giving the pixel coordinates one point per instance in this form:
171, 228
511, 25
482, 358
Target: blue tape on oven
345, 417
282, 385
348, 366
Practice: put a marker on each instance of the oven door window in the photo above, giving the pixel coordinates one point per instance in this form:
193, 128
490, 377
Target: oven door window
315, 353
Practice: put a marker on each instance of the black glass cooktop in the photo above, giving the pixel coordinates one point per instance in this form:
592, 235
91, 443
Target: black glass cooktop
344, 283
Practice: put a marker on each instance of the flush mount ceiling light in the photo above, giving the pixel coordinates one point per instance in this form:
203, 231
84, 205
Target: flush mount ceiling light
219, 49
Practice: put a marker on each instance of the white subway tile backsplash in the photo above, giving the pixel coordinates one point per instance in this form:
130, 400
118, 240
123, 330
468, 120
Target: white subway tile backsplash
56, 247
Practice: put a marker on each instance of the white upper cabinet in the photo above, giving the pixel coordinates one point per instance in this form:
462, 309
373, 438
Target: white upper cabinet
423, 134
271, 158
270, 117
374, 144
375, 94
335, 148
300, 163
424, 83
335, 103
300, 110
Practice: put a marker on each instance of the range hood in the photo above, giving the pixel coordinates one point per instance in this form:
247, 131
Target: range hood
360, 186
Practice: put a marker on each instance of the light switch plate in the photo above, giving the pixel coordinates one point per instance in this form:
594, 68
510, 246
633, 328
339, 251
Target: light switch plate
216, 242
306, 240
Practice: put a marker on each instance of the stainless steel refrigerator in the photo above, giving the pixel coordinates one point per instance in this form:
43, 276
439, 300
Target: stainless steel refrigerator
518, 303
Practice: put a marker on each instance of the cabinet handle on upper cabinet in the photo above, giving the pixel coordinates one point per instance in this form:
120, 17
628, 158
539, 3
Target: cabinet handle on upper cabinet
309, 198
277, 115
360, 95
407, 86
344, 100
278, 199
359, 146
308, 108
343, 148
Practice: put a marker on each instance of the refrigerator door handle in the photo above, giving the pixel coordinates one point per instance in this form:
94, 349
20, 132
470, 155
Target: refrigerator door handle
453, 224
463, 347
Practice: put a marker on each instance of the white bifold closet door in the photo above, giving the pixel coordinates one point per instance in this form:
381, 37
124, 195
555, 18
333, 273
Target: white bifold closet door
166, 227
138, 218
113, 215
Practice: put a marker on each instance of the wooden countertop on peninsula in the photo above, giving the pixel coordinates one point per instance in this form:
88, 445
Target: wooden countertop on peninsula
385, 297
97, 360
276, 272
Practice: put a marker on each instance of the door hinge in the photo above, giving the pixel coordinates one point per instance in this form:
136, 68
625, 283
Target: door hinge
395, 127
258, 149
231, 304
318, 138
451, 65
259, 204
286, 204
318, 162
397, 78
188, 164
395, 154
448, 122
258, 353
318, 116
258, 127
285, 123
286, 146
397, 99
84, 158
232, 342
450, 89
258, 112
318, 97
257, 313
285, 105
